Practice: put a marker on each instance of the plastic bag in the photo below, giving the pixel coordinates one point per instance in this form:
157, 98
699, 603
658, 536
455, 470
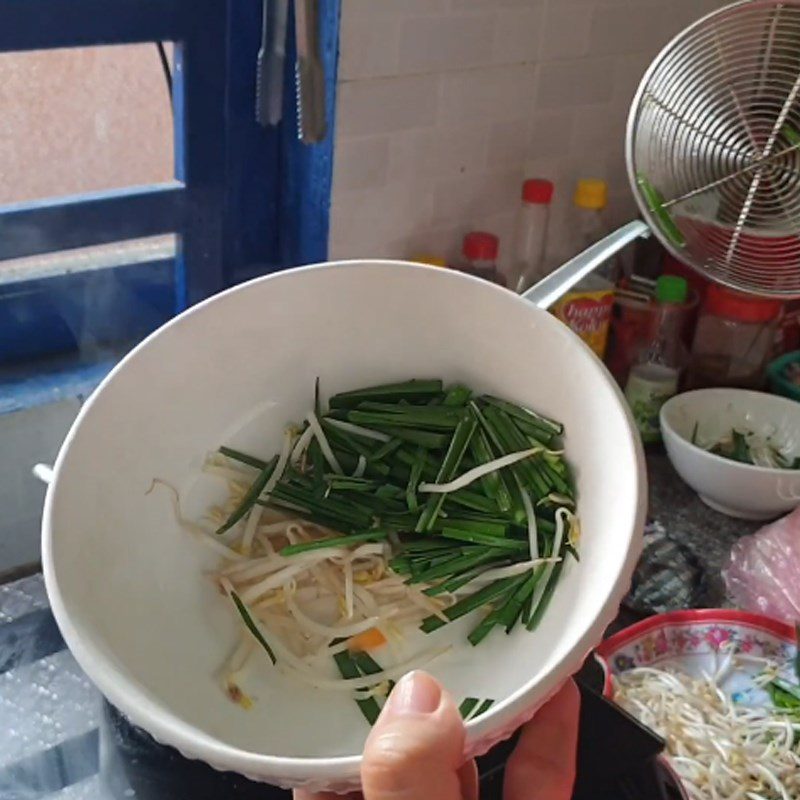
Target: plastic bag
763, 570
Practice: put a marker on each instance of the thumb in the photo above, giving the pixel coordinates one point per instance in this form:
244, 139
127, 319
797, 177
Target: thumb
415, 751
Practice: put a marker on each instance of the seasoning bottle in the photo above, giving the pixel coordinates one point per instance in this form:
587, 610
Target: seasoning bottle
431, 261
480, 250
531, 234
733, 340
590, 201
655, 376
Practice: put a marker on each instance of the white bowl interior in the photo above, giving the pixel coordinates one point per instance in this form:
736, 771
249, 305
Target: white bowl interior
717, 411
127, 582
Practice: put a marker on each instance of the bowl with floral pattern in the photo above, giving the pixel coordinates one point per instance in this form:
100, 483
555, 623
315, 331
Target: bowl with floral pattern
699, 642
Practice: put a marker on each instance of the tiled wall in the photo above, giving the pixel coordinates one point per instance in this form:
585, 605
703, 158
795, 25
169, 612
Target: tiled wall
446, 105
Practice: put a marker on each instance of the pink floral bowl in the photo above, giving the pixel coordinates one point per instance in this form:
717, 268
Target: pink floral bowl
695, 640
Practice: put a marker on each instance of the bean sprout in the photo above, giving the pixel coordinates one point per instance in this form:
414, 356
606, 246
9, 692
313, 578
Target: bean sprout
720, 749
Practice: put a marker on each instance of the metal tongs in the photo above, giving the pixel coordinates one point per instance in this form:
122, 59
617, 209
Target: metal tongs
309, 71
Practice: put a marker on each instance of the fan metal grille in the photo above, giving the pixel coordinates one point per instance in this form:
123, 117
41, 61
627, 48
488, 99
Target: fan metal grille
715, 127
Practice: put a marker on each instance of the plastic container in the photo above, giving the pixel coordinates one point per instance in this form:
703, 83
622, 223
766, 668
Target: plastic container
531, 234
656, 375
481, 250
734, 339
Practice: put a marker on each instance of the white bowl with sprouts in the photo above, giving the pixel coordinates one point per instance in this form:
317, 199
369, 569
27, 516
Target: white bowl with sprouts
765, 428
131, 586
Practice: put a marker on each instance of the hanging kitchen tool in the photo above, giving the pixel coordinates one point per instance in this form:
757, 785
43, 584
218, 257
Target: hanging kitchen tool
713, 154
309, 70
309, 75
271, 56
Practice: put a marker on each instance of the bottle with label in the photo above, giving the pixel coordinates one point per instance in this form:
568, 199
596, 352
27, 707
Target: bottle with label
656, 375
588, 308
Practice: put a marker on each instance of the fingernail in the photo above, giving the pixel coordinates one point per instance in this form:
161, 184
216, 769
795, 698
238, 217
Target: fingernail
415, 693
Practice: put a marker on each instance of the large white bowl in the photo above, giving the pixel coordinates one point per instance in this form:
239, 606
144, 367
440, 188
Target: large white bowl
126, 583
735, 489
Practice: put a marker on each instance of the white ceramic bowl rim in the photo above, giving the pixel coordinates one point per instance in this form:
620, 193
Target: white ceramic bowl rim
164, 725
713, 458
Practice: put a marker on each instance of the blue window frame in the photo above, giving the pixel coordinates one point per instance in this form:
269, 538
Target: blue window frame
246, 200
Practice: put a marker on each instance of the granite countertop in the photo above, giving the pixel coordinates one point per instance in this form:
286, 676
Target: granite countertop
708, 534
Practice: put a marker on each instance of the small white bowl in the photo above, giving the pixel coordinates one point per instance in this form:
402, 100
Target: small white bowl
735, 489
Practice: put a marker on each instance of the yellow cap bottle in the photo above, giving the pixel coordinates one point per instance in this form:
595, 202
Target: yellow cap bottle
591, 194
433, 261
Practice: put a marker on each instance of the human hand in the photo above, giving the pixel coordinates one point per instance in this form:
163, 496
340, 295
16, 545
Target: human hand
414, 751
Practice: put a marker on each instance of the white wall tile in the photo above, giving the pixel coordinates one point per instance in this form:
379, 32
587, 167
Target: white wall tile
471, 198
395, 7
518, 35
368, 45
493, 93
621, 28
362, 221
628, 73
459, 5
361, 163
385, 105
446, 42
508, 143
573, 83
566, 30
437, 152
549, 130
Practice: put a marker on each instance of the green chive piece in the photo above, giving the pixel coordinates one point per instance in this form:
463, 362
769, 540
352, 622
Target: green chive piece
493, 485
477, 555
413, 480
513, 610
455, 452
243, 458
251, 625
473, 537
250, 496
499, 614
366, 663
336, 541
482, 708
386, 449
426, 439
526, 416
488, 526
467, 706
547, 594
479, 599
349, 670
457, 395
655, 202
407, 390
473, 501
694, 433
